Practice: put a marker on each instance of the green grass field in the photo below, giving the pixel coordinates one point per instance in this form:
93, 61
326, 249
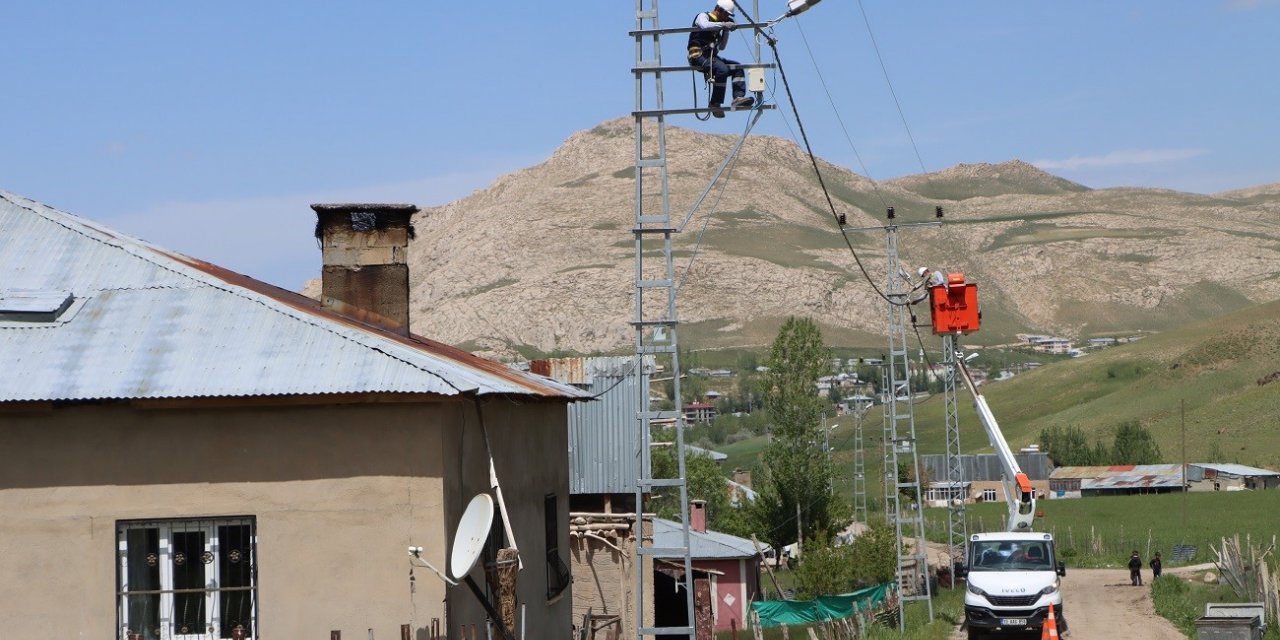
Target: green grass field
1103, 531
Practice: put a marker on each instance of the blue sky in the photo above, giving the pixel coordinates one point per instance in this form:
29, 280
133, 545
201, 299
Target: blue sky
209, 127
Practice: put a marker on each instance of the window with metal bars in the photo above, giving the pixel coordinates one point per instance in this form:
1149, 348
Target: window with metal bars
187, 579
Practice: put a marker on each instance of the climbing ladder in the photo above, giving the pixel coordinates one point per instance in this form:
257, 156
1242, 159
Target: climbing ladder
656, 285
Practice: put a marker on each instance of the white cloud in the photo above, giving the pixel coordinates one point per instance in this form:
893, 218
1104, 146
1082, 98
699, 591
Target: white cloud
1121, 158
271, 237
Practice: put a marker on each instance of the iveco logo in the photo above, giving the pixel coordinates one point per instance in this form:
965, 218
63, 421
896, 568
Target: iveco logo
1022, 590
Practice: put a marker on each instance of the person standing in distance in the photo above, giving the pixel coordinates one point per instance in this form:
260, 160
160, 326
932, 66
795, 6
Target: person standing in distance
1156, 567
705, 44
1135, 569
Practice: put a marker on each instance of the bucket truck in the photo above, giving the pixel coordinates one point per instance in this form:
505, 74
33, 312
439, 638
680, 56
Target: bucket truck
1012, 576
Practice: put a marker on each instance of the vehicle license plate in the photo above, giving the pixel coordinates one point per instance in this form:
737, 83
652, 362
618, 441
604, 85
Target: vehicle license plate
1013, 622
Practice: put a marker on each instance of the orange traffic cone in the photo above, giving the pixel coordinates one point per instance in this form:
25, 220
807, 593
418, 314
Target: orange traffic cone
1050, 629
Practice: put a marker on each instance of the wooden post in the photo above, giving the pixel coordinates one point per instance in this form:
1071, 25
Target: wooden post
767, 568
507, 567
733, 627
404, 632
335, 635
786, 633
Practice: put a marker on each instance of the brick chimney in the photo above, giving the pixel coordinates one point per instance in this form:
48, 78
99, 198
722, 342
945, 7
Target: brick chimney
698, 516
365, 274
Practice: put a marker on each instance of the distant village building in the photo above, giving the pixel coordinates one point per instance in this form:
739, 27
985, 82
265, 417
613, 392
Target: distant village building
696, 412
983, 477
1221, 476
1125, 479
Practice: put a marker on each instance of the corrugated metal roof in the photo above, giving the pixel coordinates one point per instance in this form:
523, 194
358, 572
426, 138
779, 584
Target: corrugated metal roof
702, 546
1236, 469
604, 434
1127, 476
151, 323
1110, 471
985, 467
715, 456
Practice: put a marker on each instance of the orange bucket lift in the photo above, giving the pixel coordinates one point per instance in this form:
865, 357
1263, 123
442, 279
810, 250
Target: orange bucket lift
954, 306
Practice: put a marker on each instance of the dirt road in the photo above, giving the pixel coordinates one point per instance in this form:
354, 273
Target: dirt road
1102, 605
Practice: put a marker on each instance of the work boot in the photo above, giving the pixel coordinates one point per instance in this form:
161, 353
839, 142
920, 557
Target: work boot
717, 110
743, 102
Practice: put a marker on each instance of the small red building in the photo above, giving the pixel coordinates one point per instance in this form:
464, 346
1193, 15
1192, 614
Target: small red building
726, 568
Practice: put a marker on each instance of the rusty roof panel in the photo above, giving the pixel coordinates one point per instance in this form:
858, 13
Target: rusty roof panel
156, 324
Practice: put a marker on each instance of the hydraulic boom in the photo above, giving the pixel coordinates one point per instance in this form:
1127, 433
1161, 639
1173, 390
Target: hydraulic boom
1017, 487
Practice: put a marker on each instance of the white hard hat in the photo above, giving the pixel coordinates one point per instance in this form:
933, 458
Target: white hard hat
727, 5
922, 271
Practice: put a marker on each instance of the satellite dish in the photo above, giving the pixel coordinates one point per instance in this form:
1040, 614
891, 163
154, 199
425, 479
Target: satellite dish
472, 533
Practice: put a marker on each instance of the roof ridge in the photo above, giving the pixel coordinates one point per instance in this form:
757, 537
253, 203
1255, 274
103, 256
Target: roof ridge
184, 266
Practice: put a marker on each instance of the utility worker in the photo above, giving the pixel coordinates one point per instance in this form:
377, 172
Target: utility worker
711, 37
932, 278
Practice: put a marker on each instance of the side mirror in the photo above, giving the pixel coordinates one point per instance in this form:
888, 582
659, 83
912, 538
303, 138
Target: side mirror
961, 570
1062, 568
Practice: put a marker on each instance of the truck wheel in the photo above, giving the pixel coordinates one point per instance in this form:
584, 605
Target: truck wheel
977, 634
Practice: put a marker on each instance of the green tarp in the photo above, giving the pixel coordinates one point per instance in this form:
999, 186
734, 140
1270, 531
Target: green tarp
775, 613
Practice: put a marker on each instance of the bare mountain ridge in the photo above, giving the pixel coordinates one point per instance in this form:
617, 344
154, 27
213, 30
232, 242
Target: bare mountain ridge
542, 260
965, 181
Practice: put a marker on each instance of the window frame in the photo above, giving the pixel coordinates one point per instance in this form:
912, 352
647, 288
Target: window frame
219, 547
558, 575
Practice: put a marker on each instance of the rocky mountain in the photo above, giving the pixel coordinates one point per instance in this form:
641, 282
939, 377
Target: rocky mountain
542, 260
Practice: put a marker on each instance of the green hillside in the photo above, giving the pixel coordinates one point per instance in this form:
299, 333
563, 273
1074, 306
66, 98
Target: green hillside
1214, 368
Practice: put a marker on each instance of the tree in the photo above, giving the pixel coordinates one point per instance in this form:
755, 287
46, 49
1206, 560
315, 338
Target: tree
705, 482
828, 568
796, 477
1134, 444
1068, 446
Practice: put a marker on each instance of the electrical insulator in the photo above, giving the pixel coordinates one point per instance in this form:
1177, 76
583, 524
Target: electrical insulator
890, 212
937, 211
843, 219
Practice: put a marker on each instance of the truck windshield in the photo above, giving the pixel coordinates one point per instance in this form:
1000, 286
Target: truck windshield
1011, 555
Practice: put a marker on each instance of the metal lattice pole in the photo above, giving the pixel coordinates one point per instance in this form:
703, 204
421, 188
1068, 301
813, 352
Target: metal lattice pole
902, 497
656, 284
859, 464
655, 312
908, 514
956, 489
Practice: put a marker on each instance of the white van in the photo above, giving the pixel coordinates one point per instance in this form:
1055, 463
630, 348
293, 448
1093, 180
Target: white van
1012, 579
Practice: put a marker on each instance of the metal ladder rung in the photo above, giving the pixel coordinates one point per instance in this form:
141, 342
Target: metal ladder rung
651, 163
662, 631
649, 113
660, 415
640, 230
655, 323
665, 552
657, 349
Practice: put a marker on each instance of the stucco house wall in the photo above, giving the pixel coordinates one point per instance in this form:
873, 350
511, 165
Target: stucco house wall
338, 494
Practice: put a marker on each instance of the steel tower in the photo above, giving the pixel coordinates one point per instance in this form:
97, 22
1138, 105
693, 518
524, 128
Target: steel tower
655, 314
